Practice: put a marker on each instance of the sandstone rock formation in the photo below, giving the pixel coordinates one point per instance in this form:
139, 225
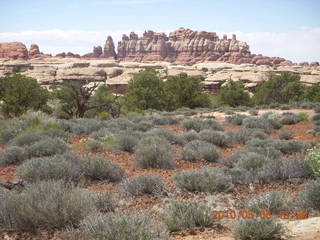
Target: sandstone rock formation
34, 51
109, 51
13, 50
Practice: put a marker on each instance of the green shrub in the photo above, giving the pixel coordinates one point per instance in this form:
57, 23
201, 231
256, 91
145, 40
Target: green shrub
270, 171
28, 139
46, 205
258, 229
313, 93
311, 195
285, 134
264, 146
255, 122
250, 161
289, 119
121, 225
47, 147
164, 120
143, 126
316, 117
153, 152
303, 116
11, 156
236, 119
189, 136
141, 185
296, 167
203, 180
103, 202
179, 215
254, 112
214, 137
197, 149
234, 94
198, 125
275, 202
92, 145
313, 159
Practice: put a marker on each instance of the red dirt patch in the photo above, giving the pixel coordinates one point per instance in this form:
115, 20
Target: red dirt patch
7, 173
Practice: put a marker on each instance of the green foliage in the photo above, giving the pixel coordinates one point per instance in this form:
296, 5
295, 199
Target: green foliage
179, 215
145, 90
311, 195
303, 116
234, 94
47, 147
141, 185
12, 155
258, 229
281, 89
153, 152
19, 93
184, 91
285, 134
313, 159
313, 93
203, 180
236, 119
215, 137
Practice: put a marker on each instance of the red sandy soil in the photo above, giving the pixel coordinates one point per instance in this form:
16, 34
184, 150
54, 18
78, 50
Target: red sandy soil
126, 160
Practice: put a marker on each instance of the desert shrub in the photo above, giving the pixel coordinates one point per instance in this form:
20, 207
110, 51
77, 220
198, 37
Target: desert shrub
12, 155
255, 122
214, 137
203, 180
290, 146
311, 195
102, 134
275, 123
285, 134
141, 185
236, 119
143, 126
69, 167
303, 116
164, 120
250, 161
284, 146
47, 205
316, 117
198, 125
167, 134
103, 202
244, 135
290, 119
258, 229
47, 147
28, 139
272, 201
241, 176
179, 215
270, 171
128, 140
120, 225
313, 93
92, 145
296, 167
199, 149
313, 159
264, 146
82, 126
189, 136
98, 168
153, 152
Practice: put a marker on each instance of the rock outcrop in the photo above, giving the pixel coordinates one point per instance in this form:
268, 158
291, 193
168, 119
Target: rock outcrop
109, 50
34, 51
13, 50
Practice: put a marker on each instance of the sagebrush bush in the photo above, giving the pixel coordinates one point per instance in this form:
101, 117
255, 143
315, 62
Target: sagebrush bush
303, 116
264, 146
198, 149
28, 139
198, 125
69, 167
153, 152
236, 119
120, 225
189, 136
250, 161
47, 147
179, 215
311, 195
313, 159
203, 180
274, 202
270, 171
289, 119
12, 155
103, 202
283, 146
143, 126
92, 145
102, 134
258, 229
46, 205
253, 112
296, 167
316, 117
256, 122
214, 137
285, 134
164, 120
128, 140
141, 185
167, 134
242, 136
241, 176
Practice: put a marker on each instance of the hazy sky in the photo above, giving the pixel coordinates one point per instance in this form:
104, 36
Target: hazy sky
285, 28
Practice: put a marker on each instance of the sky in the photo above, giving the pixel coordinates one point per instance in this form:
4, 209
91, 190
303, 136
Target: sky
283, 28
